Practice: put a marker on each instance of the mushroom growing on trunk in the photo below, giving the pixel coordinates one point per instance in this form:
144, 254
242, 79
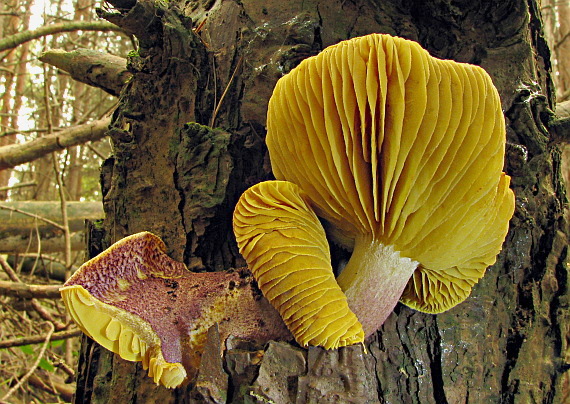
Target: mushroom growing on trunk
397, 153
141, 304
400, 155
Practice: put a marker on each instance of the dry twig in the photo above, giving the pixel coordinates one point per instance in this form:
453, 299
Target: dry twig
26, 291
43, 219
43, 313
218, 106
34, 365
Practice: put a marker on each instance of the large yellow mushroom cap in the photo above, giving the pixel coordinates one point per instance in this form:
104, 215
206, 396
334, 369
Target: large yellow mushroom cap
402, 153
387, 140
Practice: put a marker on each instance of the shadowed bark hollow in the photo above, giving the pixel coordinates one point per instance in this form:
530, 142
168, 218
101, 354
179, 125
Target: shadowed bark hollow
174, 175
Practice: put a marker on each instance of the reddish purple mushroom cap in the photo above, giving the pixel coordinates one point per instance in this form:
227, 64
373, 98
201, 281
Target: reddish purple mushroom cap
139, 303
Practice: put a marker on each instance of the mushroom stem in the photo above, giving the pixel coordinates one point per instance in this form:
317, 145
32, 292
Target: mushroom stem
373, 281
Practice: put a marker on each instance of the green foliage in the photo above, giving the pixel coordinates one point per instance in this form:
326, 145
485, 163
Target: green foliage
55, 344
44, 363
27, 349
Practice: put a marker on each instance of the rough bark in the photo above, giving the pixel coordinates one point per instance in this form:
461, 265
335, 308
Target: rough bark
508, 343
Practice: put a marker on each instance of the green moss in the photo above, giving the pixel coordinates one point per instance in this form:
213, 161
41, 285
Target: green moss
98, 224
161, 3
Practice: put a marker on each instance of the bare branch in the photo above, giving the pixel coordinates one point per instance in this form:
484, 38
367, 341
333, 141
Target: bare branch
8, 269
42, 312
21, 216
561, 41
33, 215
20, 185
25, 291
67, 238
15, 40
12, 132
97, 69
59, 363
64, 391
64, 217
96, 151
9, 343
16, 154
18, 244
217, 109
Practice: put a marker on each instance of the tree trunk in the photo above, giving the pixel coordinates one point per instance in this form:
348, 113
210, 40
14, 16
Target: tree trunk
508, 343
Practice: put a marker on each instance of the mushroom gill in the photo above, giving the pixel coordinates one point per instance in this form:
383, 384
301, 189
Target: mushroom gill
136, 301
401, 155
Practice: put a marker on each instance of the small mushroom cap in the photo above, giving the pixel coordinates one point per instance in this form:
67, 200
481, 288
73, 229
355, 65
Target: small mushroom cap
139, 303
287, 252
386, 140
104, 299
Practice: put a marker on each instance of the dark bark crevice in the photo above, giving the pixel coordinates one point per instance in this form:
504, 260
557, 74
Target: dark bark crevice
434, 352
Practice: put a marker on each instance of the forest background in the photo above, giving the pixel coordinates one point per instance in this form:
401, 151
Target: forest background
53, 120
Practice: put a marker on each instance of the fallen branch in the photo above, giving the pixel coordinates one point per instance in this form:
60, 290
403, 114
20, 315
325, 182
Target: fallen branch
62, 390
32, 215
49, 243
19, 217
20, 185
56, 336
41, 265
15, 40
16, 154
42, 312
25, 291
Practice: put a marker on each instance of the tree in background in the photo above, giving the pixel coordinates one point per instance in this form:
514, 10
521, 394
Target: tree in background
556, 16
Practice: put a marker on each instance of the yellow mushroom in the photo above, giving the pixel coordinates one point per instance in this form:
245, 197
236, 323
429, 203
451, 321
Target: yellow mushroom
400, 155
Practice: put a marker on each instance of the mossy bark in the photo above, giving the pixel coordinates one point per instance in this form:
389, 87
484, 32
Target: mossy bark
175, 176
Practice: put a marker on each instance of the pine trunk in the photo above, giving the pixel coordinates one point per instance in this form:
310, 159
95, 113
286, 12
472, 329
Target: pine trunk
508, 343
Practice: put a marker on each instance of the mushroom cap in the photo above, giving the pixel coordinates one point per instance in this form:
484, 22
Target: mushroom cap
386, 140
287, 251
110, 301
123, 333
139, 303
